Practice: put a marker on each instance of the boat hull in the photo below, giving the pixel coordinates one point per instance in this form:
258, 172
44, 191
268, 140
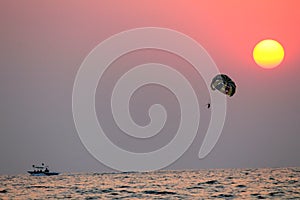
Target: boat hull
34, 173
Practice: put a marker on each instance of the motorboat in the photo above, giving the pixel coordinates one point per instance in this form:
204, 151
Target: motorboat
42, 170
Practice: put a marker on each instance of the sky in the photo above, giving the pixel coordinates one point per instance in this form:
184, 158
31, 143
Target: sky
43, 44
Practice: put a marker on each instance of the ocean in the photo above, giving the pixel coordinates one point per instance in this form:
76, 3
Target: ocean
263, 183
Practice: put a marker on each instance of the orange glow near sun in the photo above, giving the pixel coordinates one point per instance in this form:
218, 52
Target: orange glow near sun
268, 53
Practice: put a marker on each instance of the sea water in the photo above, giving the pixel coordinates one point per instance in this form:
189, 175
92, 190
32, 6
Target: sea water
265, 183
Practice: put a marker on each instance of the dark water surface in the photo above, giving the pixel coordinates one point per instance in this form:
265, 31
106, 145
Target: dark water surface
265, 183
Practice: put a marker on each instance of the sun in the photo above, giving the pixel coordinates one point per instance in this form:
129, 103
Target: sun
268, 53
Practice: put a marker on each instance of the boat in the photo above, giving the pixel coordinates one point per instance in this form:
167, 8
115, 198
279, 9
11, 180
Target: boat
41, 171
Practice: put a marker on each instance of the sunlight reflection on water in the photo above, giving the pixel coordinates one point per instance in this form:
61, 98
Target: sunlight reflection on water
268, 183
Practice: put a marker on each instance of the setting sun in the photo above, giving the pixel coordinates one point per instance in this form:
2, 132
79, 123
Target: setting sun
268, 53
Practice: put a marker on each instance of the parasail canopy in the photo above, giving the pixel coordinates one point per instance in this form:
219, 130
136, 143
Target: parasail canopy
224, 84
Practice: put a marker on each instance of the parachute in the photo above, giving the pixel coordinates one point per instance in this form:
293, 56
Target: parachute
224, 84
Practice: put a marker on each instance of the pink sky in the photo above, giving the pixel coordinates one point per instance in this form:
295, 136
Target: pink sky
43, 44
